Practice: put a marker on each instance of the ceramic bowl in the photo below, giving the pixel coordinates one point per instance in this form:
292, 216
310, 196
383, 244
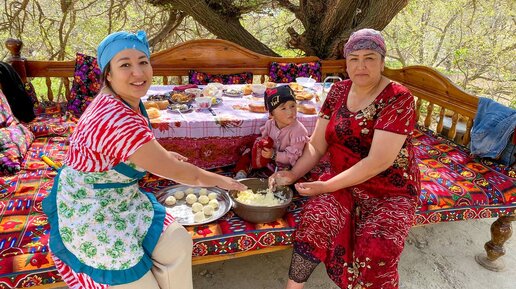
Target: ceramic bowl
203, 102
306, 81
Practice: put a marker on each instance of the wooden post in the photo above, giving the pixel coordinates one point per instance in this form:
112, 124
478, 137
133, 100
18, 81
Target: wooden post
501, 231
17, 62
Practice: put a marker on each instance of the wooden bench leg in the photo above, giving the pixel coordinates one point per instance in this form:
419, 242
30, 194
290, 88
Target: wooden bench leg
501, 231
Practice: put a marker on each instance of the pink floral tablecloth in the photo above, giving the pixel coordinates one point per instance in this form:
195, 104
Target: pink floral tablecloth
213, 141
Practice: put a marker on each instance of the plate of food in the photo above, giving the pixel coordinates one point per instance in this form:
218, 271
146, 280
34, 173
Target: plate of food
233, 92
180, 107
158, 97
181, 98
195, 206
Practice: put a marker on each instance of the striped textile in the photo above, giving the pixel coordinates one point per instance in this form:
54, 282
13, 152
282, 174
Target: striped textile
107, 133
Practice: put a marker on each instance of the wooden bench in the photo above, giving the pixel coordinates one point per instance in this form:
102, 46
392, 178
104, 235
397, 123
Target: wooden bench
436, 96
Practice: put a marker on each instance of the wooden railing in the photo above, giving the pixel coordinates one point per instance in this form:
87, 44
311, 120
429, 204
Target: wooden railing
437, 96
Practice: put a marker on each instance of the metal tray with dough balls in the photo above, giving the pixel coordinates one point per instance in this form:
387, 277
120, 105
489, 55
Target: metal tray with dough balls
182, 211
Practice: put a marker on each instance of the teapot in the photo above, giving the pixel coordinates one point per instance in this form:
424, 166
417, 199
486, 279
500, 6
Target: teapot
327, 84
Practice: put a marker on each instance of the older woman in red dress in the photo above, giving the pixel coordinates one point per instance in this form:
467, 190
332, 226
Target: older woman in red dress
359, 214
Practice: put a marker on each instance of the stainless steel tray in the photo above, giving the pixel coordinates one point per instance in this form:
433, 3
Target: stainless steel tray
183, 212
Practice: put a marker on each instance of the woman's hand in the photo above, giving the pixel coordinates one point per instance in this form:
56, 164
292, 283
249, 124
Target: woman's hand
311, 189
178, 156
282, 178
230, 184
267, 153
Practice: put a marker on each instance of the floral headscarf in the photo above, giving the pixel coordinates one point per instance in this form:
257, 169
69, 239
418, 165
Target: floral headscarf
365, 39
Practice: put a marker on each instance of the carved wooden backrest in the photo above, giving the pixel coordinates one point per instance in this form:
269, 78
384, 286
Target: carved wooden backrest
435, 91
438, 97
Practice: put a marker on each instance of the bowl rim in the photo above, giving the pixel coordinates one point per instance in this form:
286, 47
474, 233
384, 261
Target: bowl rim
280, 206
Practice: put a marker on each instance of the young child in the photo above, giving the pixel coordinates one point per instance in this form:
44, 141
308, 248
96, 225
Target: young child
283, 136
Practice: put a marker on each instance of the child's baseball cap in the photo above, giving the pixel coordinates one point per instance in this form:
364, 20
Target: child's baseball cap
278, 95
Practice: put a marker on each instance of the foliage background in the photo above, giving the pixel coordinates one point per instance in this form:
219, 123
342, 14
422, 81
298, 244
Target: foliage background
470, 41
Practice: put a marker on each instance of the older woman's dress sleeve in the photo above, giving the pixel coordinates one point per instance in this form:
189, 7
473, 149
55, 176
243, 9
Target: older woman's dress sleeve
334, 97
399, 115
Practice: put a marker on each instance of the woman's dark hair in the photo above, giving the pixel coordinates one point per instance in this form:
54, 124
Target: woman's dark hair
103, 77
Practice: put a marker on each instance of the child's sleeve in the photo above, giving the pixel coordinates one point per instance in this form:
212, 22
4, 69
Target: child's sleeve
298, 138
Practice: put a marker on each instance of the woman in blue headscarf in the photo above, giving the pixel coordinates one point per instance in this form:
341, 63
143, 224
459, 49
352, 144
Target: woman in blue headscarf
105, 231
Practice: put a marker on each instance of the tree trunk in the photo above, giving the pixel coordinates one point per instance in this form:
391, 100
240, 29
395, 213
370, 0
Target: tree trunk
328, 24
224, 27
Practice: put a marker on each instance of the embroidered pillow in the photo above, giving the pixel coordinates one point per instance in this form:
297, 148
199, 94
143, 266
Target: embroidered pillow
202, 78
6, 115
47, 125
14, 143
285, 72
86, 83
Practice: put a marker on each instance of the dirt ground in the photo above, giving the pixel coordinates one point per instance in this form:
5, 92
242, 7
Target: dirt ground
437, 256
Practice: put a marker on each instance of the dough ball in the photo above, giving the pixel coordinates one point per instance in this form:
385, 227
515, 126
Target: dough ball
214, 204
203, 192
197, 207
212, 196
208, 210
198, 217
189, 191
179, 195
191, 198
204, 200
170, 201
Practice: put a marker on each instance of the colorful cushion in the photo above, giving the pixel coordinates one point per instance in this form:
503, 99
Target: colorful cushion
50, 125
86, 83
202, 78
15, 140
31, 92
284, 72
6, 115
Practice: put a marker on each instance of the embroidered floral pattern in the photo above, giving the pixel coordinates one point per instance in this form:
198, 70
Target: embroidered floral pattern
287, 72
203, 78
86, 83
122, 217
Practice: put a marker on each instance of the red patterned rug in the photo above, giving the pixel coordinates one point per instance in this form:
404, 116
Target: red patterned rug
456, 186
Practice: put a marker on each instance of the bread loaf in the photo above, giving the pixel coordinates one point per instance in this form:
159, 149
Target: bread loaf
256, 107
306, 109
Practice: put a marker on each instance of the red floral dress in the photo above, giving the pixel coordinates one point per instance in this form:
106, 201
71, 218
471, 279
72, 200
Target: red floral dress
359, 232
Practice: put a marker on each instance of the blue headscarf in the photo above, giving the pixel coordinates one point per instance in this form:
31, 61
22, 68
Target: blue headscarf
118, 41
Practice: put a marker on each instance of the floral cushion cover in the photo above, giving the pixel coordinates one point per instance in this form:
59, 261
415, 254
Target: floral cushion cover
6, 115
203, 78
285, 72
15, 140
86, 83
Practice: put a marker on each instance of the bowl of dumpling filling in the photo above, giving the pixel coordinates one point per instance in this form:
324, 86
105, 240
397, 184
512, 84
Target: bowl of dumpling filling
259, 204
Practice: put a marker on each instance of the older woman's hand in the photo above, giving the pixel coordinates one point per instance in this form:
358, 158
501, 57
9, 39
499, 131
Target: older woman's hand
282, 178
311, 189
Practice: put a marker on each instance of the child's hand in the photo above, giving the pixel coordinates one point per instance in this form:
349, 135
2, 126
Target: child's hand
267, 153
